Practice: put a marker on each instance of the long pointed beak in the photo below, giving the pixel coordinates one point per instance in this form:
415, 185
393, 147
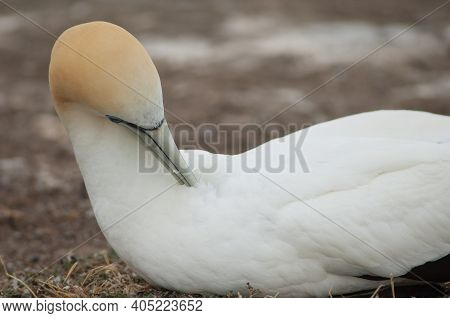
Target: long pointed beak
161, 143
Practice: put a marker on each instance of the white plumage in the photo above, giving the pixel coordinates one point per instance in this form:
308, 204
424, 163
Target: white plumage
375, 203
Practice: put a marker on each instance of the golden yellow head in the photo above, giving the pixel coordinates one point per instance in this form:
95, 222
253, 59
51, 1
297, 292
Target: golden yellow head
104, 68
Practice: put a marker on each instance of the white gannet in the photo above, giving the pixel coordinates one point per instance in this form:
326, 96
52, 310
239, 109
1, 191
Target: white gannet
375, 203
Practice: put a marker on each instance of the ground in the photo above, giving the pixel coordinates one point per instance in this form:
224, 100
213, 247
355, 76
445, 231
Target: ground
220, 62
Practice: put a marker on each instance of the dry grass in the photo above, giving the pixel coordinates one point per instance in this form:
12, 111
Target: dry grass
101, 275
104, 275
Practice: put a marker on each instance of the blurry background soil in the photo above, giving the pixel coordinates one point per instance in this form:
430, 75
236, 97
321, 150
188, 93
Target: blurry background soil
220, 62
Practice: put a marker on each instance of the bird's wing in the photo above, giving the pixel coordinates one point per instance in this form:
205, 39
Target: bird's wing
375, 196
391, 124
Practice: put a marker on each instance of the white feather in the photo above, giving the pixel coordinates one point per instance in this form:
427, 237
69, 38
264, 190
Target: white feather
375, 202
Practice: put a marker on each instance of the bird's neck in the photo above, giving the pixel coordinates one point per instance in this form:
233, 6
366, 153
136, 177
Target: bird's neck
117, 169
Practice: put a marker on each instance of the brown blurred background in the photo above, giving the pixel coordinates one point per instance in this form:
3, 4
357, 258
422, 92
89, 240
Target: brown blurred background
220, 62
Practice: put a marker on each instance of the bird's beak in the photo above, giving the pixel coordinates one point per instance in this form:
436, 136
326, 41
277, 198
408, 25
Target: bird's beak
160, 141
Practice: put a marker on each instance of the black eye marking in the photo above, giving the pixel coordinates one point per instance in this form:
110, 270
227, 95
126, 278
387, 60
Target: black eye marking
117, 120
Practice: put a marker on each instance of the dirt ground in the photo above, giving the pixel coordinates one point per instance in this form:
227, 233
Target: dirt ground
220, 62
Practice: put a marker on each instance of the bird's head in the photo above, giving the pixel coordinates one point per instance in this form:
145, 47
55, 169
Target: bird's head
104, 68
101, 68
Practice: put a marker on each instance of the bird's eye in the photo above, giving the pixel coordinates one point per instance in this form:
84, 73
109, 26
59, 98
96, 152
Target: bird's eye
114, 119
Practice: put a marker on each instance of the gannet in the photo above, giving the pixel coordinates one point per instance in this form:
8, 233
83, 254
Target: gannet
374, 204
